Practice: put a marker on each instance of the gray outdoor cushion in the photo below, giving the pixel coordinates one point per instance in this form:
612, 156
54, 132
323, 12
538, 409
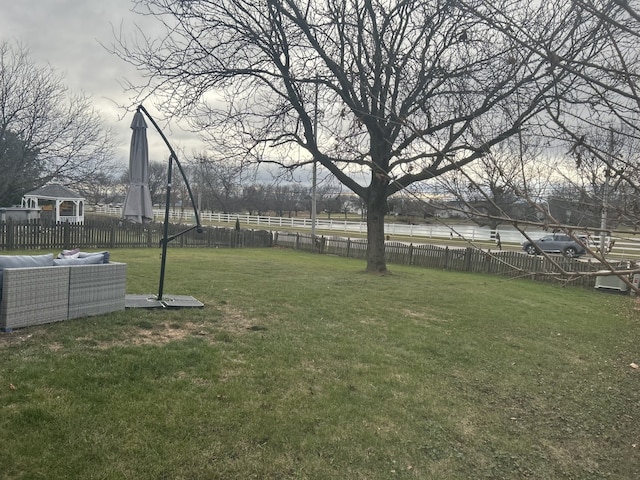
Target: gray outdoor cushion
69, 254
88, 260
105, 255
20, 261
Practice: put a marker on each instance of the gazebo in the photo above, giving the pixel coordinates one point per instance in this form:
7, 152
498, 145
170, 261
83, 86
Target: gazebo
56, 203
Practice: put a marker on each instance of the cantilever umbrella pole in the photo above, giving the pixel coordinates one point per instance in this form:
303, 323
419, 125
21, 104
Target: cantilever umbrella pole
165, 232
166, 239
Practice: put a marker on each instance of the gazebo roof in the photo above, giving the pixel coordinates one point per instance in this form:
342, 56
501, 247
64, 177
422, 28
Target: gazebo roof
54, 191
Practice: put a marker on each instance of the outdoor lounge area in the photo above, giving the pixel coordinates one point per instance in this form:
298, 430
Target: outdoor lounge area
39, 289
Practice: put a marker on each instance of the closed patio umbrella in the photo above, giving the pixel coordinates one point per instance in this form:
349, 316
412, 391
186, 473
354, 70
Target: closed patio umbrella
137, 205
139, 187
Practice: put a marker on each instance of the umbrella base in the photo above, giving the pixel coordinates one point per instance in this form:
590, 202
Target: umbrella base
168, 301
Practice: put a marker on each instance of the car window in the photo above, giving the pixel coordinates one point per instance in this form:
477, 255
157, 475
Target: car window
563, 238
547, 238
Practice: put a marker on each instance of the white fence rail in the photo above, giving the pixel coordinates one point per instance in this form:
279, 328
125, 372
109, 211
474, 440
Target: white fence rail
628, 247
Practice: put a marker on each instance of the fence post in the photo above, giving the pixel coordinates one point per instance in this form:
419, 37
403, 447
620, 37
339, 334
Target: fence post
297, 241
446, 258
410, 259
348, 246
10, 235
66, 234
467, 259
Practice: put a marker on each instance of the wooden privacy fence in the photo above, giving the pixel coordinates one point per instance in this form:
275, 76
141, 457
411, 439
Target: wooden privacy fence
506, 263
99, 234
106, 234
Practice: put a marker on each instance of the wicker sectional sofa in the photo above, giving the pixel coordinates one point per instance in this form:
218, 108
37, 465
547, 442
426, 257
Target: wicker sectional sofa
35, 295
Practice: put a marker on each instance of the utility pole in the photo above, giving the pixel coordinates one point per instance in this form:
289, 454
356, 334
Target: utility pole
605, 198
314, 176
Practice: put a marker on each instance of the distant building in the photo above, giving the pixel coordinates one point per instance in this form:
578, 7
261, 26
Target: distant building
56, 203
19, 214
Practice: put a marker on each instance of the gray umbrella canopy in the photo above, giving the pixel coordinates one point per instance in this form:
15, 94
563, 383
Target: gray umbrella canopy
137, 205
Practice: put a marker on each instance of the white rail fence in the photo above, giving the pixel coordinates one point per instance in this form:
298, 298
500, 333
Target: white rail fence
624, 247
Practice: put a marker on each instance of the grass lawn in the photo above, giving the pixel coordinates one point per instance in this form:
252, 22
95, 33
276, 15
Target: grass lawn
301, 366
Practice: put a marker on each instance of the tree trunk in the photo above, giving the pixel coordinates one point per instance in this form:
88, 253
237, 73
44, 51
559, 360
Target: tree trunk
376, 209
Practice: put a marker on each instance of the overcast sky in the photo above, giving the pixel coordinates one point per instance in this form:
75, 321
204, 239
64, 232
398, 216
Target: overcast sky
67, 34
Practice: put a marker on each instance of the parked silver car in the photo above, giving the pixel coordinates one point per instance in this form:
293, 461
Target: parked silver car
556, 243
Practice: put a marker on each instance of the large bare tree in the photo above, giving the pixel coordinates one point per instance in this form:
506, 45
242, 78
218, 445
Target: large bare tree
46, 133
382, 94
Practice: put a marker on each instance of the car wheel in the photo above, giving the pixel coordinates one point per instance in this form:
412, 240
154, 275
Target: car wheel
531, 250
570, 252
